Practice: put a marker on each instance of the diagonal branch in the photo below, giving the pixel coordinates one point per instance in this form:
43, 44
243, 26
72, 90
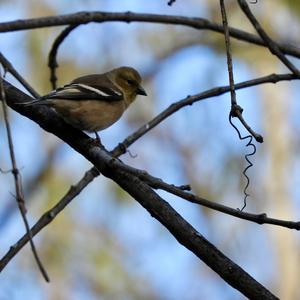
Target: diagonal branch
141, 192
262, 218
8, 67
272, 45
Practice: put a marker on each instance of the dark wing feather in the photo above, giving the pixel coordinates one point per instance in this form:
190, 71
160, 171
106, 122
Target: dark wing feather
81, 89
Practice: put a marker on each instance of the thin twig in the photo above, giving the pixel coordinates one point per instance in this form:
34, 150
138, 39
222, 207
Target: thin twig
272, 45
9, 68
17, 180
99, 17
52, 61
237, 111
228, 54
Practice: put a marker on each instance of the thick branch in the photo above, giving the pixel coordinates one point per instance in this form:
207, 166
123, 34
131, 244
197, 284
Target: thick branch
156, 206
87, 17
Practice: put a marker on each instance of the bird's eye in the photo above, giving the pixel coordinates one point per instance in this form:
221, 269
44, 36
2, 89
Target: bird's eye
130, 82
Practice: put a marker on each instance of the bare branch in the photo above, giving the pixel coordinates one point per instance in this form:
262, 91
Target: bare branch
190, 100
122, 147
52, 61
156, 183
156, 206
138, 184
8, 67
261, 218
272, 45
17, 179
87, 17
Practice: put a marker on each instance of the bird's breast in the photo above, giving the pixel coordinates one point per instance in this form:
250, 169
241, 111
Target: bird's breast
89, 115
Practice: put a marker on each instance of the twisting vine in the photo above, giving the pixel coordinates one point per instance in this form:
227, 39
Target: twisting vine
247, 158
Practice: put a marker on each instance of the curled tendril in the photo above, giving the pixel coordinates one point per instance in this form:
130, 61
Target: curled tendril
247, 156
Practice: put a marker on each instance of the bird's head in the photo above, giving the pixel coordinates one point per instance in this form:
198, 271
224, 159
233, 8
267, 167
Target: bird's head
129, 81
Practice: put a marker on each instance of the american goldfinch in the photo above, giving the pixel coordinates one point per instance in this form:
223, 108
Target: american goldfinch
94, 102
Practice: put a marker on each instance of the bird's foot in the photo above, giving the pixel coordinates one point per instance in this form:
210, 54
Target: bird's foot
97, 141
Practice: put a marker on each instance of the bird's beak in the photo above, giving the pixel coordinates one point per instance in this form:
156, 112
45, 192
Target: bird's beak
140, 91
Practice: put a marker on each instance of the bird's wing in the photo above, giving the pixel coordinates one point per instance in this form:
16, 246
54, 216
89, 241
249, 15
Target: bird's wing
81, 89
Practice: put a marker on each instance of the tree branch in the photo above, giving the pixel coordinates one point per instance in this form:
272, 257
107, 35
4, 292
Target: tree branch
155, 182
87, 17
121, 149
52, 61
8, 67
272, 45
261, 218
190, 100
18, 184
156, 206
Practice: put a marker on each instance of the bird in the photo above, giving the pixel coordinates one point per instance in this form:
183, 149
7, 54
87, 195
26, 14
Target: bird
94, 102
